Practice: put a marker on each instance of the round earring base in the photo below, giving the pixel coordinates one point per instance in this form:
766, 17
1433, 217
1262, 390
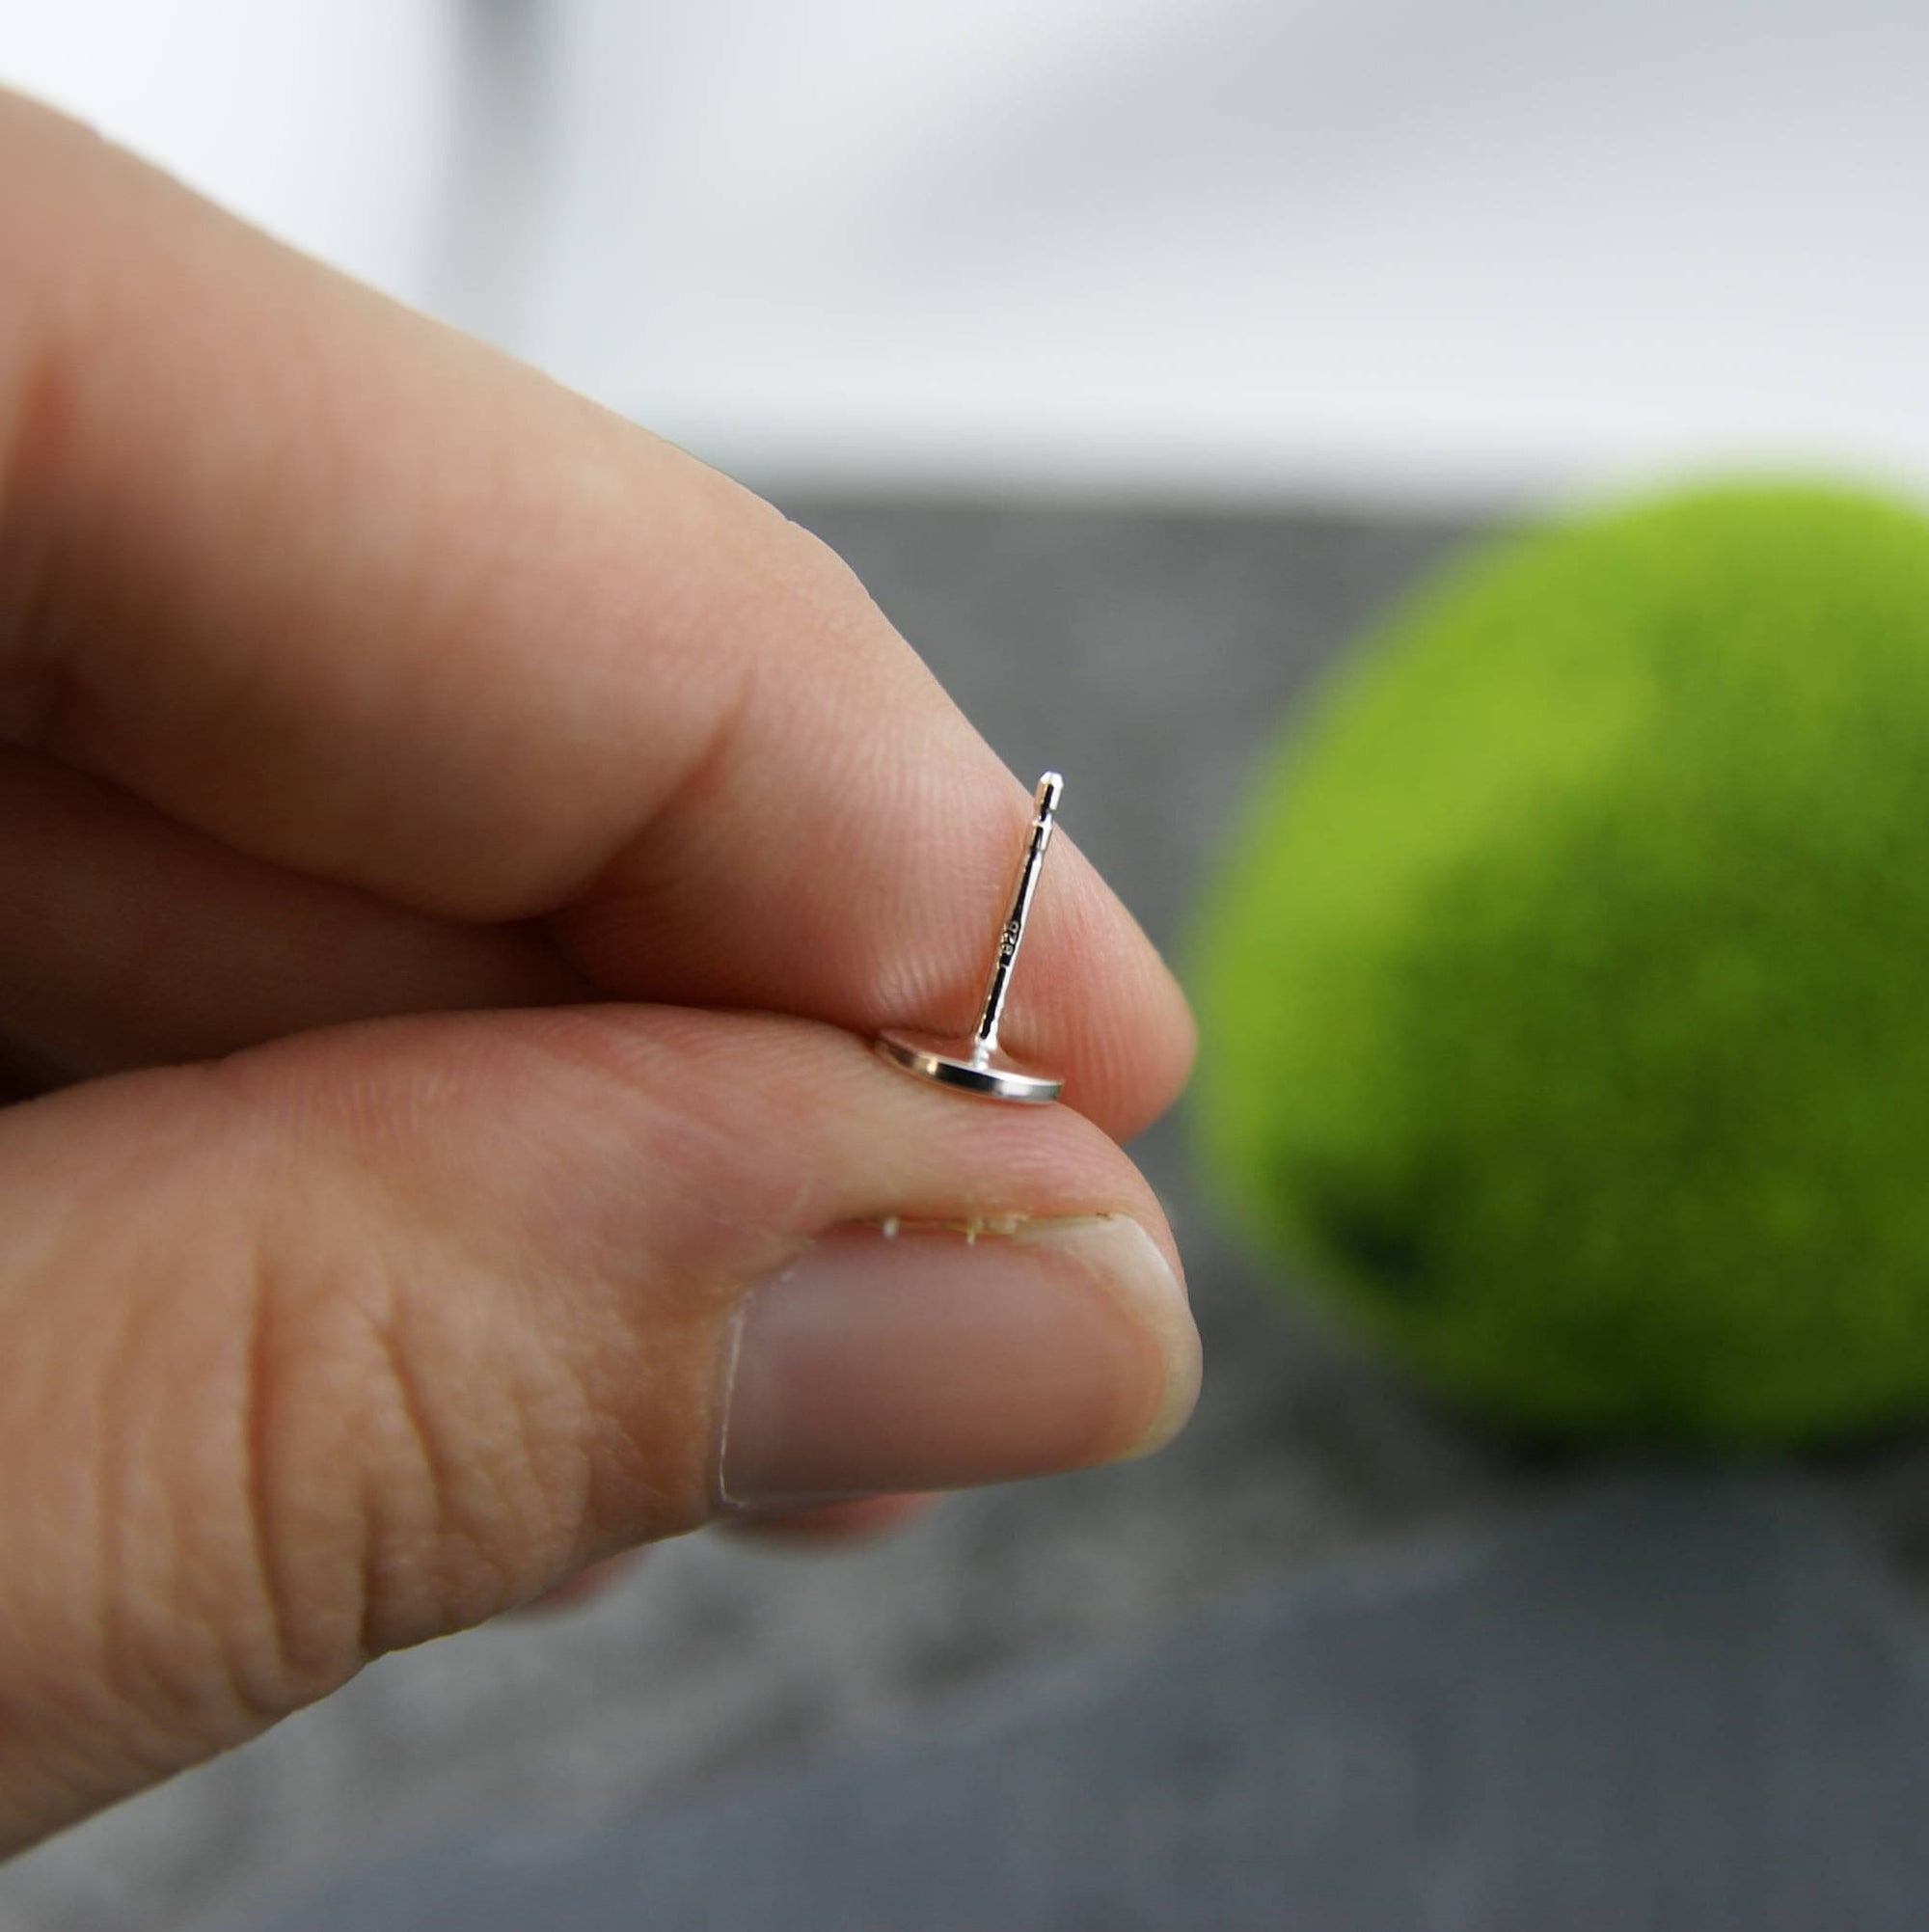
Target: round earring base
967, 1067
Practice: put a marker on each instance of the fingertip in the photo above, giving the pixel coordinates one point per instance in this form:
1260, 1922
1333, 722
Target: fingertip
1113, 1009
886, 1361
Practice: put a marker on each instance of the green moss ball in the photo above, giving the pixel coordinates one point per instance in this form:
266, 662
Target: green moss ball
1565, 995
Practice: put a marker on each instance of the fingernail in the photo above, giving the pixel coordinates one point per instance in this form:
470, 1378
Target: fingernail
924, 1359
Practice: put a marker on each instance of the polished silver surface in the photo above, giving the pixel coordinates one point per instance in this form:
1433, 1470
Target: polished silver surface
975, 1064
967, 1066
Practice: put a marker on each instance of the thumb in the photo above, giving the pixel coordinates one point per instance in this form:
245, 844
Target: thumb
363, 1337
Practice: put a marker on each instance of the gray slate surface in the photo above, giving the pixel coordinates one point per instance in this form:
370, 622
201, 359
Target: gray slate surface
1669, 1704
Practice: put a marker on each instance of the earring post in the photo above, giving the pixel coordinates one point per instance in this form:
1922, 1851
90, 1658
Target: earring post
1045, 814
974, 1064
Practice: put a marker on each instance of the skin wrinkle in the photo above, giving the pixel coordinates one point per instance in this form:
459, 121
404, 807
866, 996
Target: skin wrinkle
44, 1712
168, 945
111, 1523
146, 1698
40, 1420
306, 1669
384, 1592
253, 1656
540, 1497
521, 1504
301, 1661
711, 755
619, 1502
561, 1477
376, 1176
256, 1424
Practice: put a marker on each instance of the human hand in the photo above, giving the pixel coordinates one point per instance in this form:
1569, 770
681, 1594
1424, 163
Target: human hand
453, 848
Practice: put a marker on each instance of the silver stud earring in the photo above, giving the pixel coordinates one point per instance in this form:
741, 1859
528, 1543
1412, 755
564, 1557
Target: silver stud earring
975, 1064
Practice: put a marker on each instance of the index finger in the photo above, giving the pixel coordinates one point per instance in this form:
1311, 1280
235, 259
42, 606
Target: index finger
356, 595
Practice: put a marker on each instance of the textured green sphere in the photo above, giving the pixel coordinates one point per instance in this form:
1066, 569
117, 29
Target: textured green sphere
1566, 994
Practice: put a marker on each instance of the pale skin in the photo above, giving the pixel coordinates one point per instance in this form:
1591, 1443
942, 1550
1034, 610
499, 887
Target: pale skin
454, 850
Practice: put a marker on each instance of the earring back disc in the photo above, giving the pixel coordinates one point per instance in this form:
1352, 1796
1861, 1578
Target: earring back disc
969, 1065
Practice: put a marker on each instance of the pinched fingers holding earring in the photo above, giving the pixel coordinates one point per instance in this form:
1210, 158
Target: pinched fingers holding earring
353, 681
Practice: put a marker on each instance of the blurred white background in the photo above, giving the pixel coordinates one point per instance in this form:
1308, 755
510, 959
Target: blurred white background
1409, 250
